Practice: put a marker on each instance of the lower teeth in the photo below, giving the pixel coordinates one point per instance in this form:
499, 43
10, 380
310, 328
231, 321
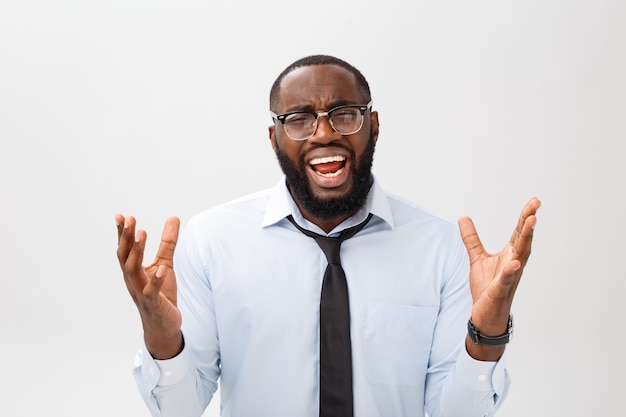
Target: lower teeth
331, 174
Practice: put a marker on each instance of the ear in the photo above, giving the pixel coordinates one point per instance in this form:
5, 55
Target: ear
272, 134
374, 124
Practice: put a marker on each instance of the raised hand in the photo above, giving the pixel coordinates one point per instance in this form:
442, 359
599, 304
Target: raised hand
153, 287
494, 277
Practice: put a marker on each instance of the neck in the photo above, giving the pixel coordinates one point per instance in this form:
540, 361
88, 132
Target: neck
329, 223
325, 224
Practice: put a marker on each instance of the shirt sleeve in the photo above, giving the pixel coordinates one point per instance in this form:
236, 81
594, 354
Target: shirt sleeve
457, 384
483, 385
167, 386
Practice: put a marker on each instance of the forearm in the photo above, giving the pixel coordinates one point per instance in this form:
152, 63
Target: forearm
463, 379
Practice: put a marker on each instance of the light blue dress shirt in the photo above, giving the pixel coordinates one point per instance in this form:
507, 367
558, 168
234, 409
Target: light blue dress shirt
249, 288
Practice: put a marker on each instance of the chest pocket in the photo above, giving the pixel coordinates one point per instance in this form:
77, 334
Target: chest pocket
397, 342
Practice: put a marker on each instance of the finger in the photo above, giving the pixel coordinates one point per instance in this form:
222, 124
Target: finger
509, 270
470, 238
523, 245
152, 288
169, 238
125, 237
521, 241
134, 271
530, 209
119, 223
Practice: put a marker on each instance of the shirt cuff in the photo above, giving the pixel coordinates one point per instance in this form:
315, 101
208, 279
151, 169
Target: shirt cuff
162, 372
481, 375
173, 370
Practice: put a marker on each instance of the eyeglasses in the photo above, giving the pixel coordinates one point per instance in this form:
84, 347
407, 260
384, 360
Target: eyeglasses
345, 120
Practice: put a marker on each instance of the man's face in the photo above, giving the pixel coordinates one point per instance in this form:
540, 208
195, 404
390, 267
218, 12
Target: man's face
328, 174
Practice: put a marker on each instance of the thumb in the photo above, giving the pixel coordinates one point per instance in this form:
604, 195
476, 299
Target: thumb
470, 238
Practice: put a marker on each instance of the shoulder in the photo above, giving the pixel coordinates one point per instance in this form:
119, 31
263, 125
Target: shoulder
400, 213
407, 213
243, 212
427, 235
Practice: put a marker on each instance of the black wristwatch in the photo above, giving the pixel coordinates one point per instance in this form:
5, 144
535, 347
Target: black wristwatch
481, 339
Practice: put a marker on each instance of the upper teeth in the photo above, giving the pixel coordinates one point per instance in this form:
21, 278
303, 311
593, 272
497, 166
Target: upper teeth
327, 159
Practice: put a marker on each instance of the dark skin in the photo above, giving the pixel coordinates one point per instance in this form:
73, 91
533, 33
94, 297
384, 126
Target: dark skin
153, 287
320, 88
493, 277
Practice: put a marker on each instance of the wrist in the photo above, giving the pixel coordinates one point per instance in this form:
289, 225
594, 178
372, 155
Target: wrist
487, 338
162, 348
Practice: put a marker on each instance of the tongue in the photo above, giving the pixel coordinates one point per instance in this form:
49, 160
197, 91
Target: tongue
329, 167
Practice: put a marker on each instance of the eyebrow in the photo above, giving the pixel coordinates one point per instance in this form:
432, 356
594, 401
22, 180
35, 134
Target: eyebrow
308, 108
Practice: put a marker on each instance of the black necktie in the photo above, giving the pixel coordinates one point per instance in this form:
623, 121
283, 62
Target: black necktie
335, 346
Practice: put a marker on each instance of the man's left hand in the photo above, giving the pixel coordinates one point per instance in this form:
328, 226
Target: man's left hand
495, 277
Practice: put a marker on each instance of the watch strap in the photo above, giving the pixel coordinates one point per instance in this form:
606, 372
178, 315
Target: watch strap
481, 339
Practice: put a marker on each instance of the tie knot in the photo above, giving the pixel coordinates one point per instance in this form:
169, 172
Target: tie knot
331, 247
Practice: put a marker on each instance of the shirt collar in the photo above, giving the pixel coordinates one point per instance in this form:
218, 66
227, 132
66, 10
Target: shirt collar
280, 205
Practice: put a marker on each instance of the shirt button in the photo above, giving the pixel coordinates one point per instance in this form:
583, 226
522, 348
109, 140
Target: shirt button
482, 378
167, 373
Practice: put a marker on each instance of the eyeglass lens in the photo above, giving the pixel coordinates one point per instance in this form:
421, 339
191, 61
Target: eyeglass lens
345, 121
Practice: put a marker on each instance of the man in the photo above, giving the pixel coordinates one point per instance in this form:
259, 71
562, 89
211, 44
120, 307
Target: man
250, 278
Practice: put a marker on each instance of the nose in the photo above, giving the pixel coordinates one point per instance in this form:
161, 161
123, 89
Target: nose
325, 132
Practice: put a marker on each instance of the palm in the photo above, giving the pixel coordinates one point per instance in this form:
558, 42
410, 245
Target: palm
493, 277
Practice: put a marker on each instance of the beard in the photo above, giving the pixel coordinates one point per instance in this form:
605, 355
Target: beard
332, 207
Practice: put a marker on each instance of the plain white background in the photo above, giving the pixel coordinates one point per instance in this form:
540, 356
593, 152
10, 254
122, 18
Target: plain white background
159, 108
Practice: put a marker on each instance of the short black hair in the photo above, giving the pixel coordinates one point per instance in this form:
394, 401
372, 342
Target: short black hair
318, 60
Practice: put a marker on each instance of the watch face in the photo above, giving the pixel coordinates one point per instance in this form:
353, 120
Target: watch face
471, 331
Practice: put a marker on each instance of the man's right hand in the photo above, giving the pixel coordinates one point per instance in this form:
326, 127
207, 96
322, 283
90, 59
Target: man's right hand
153, 287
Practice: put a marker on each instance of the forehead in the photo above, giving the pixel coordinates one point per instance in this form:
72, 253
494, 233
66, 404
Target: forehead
318, 87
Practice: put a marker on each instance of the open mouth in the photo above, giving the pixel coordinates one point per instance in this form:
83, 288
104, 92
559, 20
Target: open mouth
329, 166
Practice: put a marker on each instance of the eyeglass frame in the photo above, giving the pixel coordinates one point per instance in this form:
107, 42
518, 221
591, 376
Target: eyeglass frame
362, 108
